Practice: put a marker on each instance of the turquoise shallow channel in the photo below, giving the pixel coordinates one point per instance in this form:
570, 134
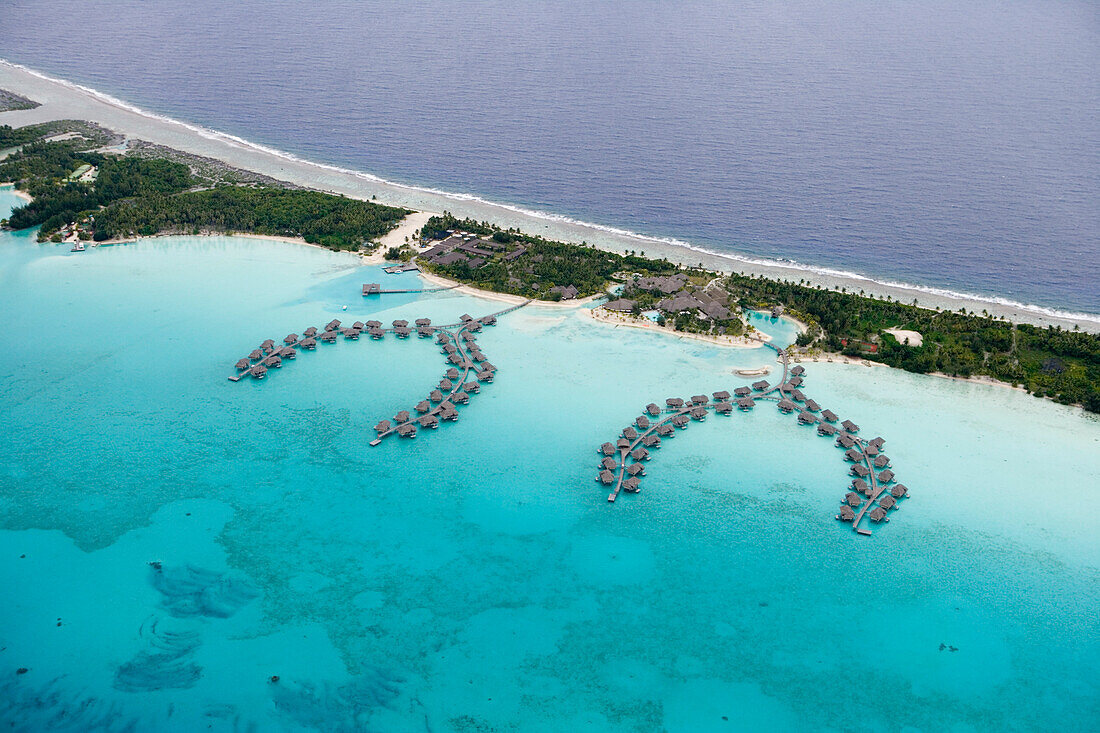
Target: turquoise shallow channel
476, 578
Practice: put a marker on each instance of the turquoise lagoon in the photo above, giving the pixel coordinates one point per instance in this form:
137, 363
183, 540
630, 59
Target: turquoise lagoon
475, 578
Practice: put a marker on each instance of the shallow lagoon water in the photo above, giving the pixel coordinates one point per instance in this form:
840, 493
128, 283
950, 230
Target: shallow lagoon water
475, 578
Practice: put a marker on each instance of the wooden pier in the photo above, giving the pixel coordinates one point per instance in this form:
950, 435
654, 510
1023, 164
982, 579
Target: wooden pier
377, 289
651, 424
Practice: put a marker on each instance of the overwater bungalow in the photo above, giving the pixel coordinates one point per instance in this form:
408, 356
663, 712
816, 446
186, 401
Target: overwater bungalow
787, 406
445, 385
640, 454
454, 359
449, 413
761, 385
795, 381
471, 387
485, 376
450, 348
636, 469
400, 324
698, 413
435, 396
825, 429
309, 332
653, 409
861, 486
376, 333
609, 463
674, 402
651, 441
723, 407
846, 514
806, 418
267, 345
797, 396
243, 364
887, 502
474, 326
798, 370
328, 336
622, 443
877, 442
402, 416
351, 333
488, 366
256, 355
898, 490
742, 392
642, 422
407, 431
845, 441
372, 324
606, 477
402, 332
489, 320
371, 289
881, 461
287, 353
308, 343
428, 421
423, 332
460, 397
291, 338
359, 325
423, 406
258, 371
700, 399
332, 325
853, 455
477, 355
850, 426
383, 426
870, 450
422, 322
860, 470
877, 514
829, 415
452, 373
465, 318
680, 421
273, 361
746, 403
632, 485
665, 430
853, 499
467, 337
443, 337
630, 433
812, 406
722, 396
886, 476
607, 449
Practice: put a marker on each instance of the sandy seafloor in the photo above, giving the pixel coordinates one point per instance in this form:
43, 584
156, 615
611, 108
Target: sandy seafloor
476, 578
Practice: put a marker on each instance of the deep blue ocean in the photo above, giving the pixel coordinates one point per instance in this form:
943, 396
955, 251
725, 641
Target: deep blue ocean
945, 144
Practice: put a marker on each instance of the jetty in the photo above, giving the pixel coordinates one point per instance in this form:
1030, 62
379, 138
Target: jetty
467, 366
870, 496
377, 289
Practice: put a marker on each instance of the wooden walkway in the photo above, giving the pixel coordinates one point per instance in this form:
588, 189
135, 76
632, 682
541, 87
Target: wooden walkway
682, 414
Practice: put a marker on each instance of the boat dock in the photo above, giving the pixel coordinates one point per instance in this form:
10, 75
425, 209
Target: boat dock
377, 289
868, 497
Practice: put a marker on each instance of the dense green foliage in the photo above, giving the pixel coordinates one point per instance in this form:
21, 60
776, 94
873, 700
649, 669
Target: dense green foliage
332, 221
545, 265
143, 196
1050, 362
43, 170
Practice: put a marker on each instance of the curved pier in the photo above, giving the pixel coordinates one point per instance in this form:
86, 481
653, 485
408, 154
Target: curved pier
865, 455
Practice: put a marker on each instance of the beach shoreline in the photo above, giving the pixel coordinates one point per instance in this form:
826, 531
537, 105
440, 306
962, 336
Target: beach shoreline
64, 100
601, 315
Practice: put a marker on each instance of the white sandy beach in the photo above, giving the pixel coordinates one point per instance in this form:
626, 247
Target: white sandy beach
62, 100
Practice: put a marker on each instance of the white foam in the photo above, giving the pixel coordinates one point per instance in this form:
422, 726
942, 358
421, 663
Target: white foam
242, 143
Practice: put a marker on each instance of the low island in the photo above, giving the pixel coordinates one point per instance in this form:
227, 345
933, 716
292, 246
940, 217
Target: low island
88, 185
